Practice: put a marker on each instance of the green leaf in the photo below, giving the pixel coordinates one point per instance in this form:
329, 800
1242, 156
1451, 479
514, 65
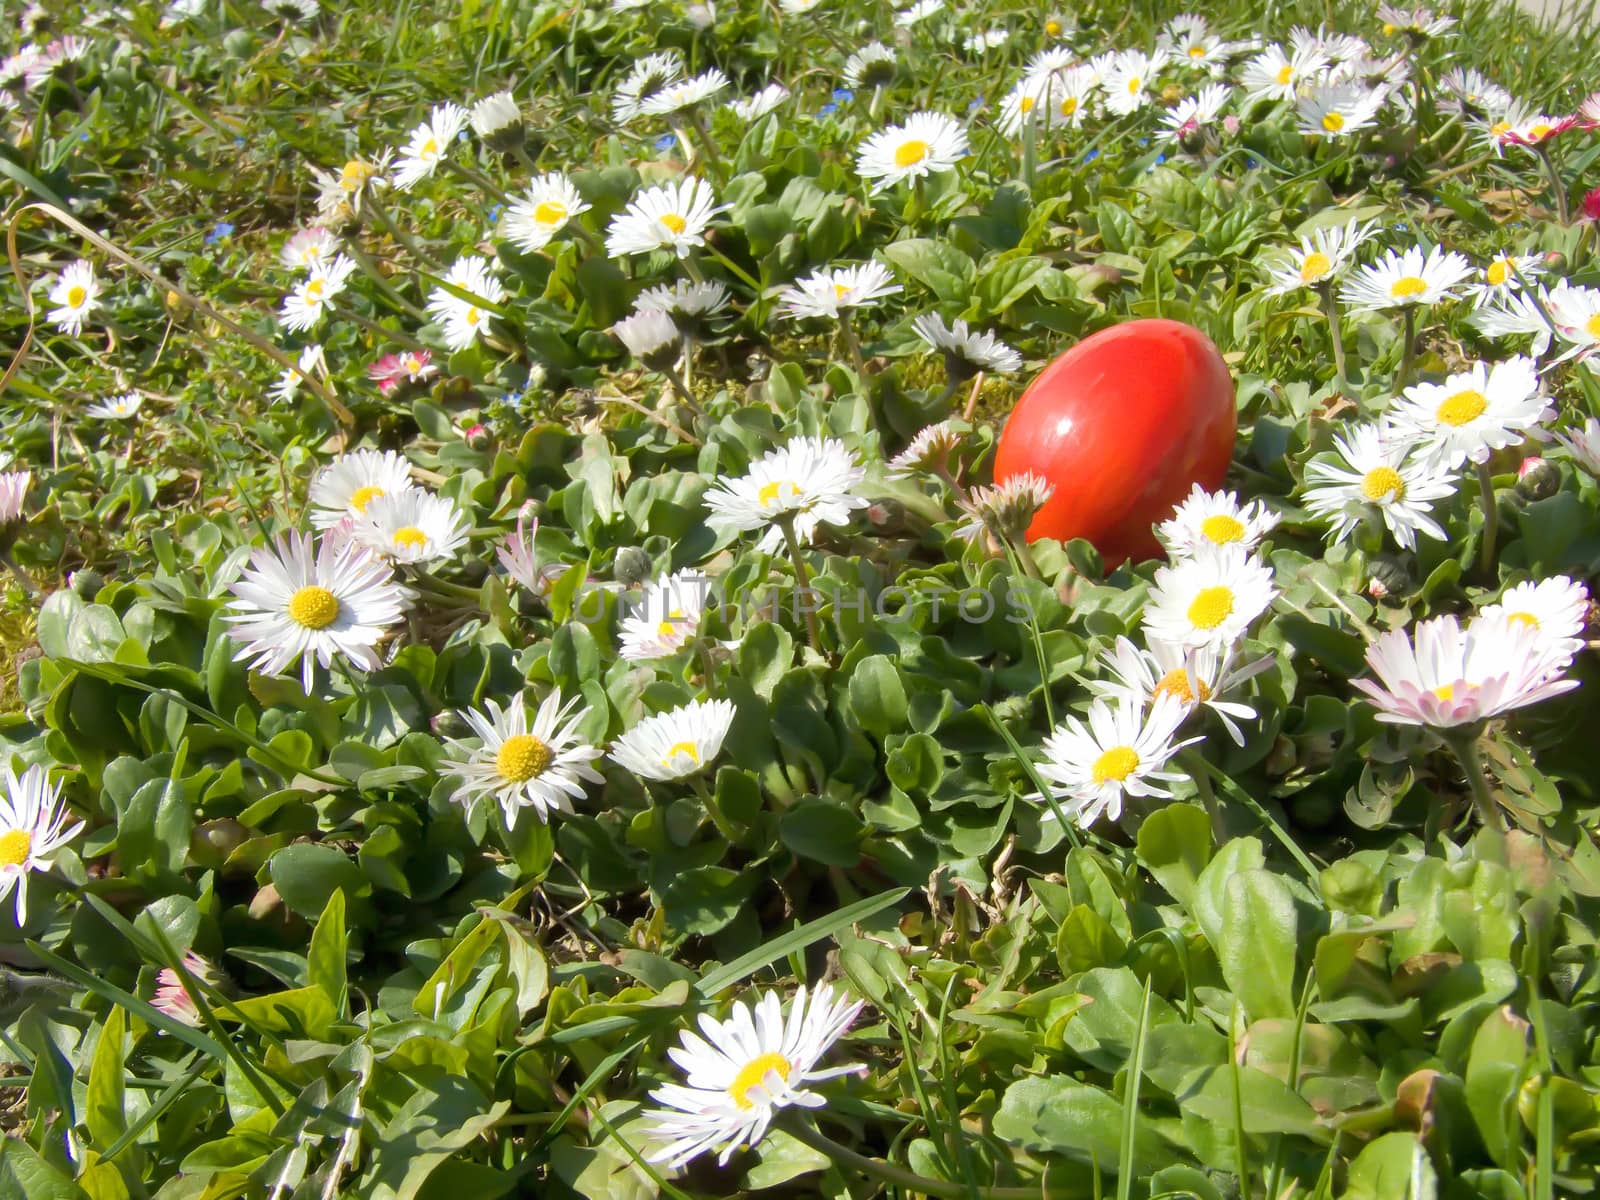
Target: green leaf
1265, 1103
1241, 854
877, 695
25, 1175
823, 831
1174, 845
1496, 1066
307, 874
1056, 1115
936, 264
797, 940
325, 960
1395, 1165
1257, 953
103, 1109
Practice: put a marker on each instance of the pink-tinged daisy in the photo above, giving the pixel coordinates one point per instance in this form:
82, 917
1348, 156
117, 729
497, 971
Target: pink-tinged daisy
408, 366
1536, 130
33, 827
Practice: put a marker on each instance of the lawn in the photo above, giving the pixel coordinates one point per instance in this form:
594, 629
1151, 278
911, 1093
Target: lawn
810, 597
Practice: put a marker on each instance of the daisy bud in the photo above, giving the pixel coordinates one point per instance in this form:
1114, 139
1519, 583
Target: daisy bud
479, 438
86, 584
1230, 125
213, 841
498, 121
632, 565
653, 338
701, 16
1591, 204
1537, 479
1389, 578
449, 724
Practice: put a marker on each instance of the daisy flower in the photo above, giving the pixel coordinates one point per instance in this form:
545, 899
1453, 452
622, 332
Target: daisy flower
684, 298
304, 307
652, 337
916, 13
1449, 676
1127, 83
810, 481
1197, 677
741, 1071
1319, 259
768, 99
665, 618
116, 408
872, 66
1534, 130
1052, 60
33, 827
412, 526
1472, 414
928, 143
930, 450
1005, 509
672, 216
985, 39
172, 997
684, 93
497, 119
1274, 75
966, 353
649, 75
1209, 599
551, 202
288, 385
309, 248
1026, 103
1583, 444
1337, 110
1412, 277
1557, 608
1500, 276
673, 744
1195, 113
539, 764
1118, 752
462, 321
516, 554
408, 366
1466, 91
1414, 22
1067, 97
349, 483
13, 491
1513, 313
299, 601
76, 294
340, 195
824, 293
1214, 519
1378, 477
429, 142
1576, 313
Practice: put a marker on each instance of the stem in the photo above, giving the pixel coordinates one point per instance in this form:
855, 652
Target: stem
367, 323
1563, 209
971, 405
887, 1172
1464, 745
370, 269
1194, 762
802, 578
474, 176
852, 345
399, 235
717, 167
698, 784
1491, 519
28, 585
1410, 350
1331, 308
684, 395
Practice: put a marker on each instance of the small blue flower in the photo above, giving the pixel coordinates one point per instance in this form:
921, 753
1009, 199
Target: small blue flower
514, 397
842, 94
1092, 155
827, 109
665, 142
1250, 162
222, 230
238, 141
494, 213
1161, 158
1401, 226
83, 137
975, 104
1144, 141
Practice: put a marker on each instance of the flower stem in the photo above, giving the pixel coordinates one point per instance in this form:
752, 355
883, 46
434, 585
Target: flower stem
1331, 308
1464, 745
370, 269
802, 579
718, 818
1491, 519
852, 344
887, 1172
684, 394
474, 176
971, 405
1563, 209
399, 235
1410, 349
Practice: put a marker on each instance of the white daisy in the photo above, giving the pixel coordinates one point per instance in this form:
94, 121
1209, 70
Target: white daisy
872, 66
1450, 676
769, 99
1197, 677
649, 75
76, 294
665, 618
928, 143
349, 483
1209, 599
1274, 75
551, 202
1512, 314
916, 13
463, 321
684, 298
1195, 113
1412, 277
1320, 258
1005, 509
298, 601
1466, 91
684, 93
1583, 444
673, 216
929, 451
985, 39
1027, 103
13, 491
1214, 519
305, 306
33, 827
116, 408
1576, 313
651, 336
309, 248
340, 195
1336, 110
497, 119
1118, 752
824, 293
966, 353
428, 144
1558, 608
518, 556
742, 1071
1375, 476
287, 388
412, 526
1534, 130
519, 764
1472, 414
1128, 82
1417, 22
1501, 276
1068, 96
673, 744
810, 481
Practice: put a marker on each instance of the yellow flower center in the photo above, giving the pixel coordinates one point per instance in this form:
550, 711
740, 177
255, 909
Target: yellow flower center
1053, 28
1499, 271
430, 149
1221, 529
1524, 618
355, 175
1285, 74
76, 296
754, 1073
670, 627
314, 607
15, 846
1500, 127
1176, 683
1461, 408
1445, 692
1388, 29
1115, 764
910, 153
1383, 483
1333, 122
1197, 51
522, 757
772, 493
1026, 104
1592, 326
551, 213
409, 537
1409, 285
1211, 607
1069, 106
363, 496
314, 289
474, 316
1316, 265
686, 749
1540, 131
674, 222
1133, 85
410, 363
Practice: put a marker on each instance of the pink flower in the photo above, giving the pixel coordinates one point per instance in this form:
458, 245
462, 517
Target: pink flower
1589, 112
1591, 204
172, 998
1536, 130
1529, 465
516, 555
410, 366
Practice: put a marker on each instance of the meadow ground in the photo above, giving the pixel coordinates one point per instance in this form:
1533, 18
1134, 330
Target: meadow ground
543, 656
